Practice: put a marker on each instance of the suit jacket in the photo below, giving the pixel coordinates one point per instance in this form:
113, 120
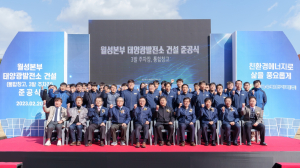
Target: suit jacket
247, 111
51, 111
72, 112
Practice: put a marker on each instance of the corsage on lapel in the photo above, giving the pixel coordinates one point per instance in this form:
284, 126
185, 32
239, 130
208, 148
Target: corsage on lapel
168, 110
212, 109
122, 111
191, 110
231, 109
103, 110
145, 108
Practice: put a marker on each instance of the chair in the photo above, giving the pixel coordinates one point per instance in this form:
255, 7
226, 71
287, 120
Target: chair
96, 131
108, 123
199, 131
163, 130
222, 133
257, 133
133, 138
178, 132
83, 131
62, 134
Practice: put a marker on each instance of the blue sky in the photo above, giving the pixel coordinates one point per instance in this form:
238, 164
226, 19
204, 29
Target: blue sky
72, 15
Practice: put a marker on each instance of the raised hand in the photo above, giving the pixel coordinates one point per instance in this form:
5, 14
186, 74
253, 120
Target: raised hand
223, 109
147, 91
92, 105
172, 80
160, 93
135, 106
180, 104
68, 105
44, 102
178, 92
233, 92
111, 106
157, 107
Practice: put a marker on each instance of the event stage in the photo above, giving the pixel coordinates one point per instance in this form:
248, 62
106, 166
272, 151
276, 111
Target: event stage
32, 153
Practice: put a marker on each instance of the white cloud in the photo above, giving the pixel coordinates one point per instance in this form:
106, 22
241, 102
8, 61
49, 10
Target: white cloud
80, 11
271, 24
294, 20
10, 23
273, 6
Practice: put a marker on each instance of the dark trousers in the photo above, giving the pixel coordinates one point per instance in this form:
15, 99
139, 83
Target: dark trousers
79, 132
54, 125
191, 128
92, 128
114, 129
160, 126
260, 127
213, 131
236, 128
138, 128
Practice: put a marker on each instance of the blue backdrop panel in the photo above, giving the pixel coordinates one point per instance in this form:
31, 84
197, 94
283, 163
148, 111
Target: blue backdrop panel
271, 58
220, 58
78, 58
32, 60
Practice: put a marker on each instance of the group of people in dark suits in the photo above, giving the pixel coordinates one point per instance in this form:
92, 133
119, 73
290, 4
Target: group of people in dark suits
208, 103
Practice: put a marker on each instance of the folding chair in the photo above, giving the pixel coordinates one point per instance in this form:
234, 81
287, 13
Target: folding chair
95, 131
257, 133
163, 130
109, 124
178, 132
83, 131
54, 131
133, 138
199, 131
222, 133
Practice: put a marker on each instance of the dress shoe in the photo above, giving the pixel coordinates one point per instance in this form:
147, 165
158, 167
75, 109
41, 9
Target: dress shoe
206, 144
73, 143
235, 144
193, 144
78, 143
249, 143
89, 144
137, 145
161, 143
169, 143
101, 143
229, 143
182, 143
144, 145
213, 143
263, 143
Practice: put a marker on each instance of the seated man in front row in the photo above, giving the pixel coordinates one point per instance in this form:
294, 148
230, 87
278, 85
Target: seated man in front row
142, 118
209, 119
230, 118
120, 117
165, 119
78, 120
98, 115
186, 119
253, 119
57, 117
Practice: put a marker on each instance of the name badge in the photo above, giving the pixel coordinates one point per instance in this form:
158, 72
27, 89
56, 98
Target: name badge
135, 93
171, 96
191, 110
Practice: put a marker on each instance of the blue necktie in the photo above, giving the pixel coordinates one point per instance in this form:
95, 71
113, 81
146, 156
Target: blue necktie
56, 113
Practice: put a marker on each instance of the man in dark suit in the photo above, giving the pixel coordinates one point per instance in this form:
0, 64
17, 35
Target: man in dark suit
253, 119
99, 116
165, 119
209, 119
230, 118
90, 96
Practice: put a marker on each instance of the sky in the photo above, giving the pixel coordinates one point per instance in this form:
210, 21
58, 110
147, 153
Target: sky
72, 16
